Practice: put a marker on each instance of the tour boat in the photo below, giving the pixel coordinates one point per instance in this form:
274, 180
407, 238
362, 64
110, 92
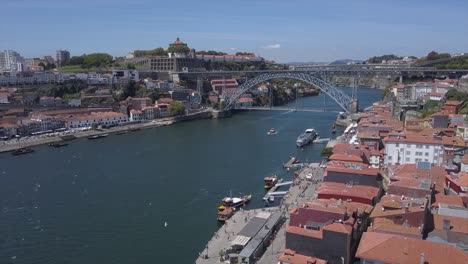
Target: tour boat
270, 181
272, 131
22, 151
225, 214
234, 202
305, 138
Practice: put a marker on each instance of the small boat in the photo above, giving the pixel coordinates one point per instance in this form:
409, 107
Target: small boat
98, 136
272, 131
271, 198
225, 214
296, 161
270, 181
234, 202
22, 151
58, 144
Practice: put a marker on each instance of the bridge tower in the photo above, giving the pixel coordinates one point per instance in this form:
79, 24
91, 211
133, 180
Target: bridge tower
354, 104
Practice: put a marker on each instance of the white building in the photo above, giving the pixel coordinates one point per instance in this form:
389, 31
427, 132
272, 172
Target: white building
136, 115
421, 89
9, 60
99, 118
409, 149
125, 76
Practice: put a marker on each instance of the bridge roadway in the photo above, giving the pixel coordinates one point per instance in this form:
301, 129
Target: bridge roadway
351, 70
286, 109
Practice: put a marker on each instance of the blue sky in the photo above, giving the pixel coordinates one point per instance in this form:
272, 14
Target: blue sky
293, 30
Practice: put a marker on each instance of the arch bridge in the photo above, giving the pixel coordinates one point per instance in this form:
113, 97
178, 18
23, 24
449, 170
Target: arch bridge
348, 103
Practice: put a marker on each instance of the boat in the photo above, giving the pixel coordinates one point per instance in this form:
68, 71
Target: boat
98, 136
58, 144
122, 132
271, 198
333, 131
225, 214
272, 131
234, 202
270, 181
305, 138
22, 151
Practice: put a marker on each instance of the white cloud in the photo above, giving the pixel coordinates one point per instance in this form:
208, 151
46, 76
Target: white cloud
272, 46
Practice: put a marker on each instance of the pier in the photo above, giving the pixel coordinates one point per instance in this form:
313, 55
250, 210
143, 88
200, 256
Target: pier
246, 238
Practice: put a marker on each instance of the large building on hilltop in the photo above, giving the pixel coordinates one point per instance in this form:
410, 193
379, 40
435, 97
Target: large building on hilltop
61, 57
180, 58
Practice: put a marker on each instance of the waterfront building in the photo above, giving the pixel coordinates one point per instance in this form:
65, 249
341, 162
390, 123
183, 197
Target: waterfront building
244, 102
351, 172
136, 115
327, 229
138, 103
219, 85
348, 192
98, 118
61, 57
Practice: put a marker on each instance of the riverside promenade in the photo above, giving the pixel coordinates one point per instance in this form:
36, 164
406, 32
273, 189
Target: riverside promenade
302, 190
31, 141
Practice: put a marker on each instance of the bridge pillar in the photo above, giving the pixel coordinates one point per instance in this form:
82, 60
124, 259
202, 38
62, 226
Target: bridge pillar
354, 106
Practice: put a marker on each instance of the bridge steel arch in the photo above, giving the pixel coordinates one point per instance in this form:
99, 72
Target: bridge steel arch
342, 99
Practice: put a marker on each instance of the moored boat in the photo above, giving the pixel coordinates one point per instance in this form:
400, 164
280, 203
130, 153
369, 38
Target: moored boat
58, 144
98, 136
270, 181
22, 151
305, 138
234, 202
225, 214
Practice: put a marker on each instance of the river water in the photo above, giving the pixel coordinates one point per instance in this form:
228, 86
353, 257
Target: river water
106, 200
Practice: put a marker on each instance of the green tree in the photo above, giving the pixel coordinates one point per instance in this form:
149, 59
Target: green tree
178, 49
176, 108
130, 89
326, 152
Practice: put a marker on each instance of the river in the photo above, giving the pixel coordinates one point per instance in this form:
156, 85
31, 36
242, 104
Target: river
106, 200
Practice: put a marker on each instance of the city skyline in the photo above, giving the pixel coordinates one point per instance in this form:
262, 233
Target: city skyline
281, 31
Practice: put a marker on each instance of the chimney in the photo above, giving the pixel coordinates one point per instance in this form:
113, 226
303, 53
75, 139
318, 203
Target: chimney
446, 224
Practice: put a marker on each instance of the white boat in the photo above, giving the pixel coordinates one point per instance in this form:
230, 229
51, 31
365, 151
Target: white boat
272, 131
305, 138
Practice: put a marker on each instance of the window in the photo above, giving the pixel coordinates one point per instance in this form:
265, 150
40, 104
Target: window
427, 146
407, 159
426, 154
408, 152
389, 157
416, 160
409, 145
419, 146
418, 153
426, 160
397, 145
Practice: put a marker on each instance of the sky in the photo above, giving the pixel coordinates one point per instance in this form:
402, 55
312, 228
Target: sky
280, 30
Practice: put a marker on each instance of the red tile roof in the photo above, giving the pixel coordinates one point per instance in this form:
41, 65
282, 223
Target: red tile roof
396, 249
291, 257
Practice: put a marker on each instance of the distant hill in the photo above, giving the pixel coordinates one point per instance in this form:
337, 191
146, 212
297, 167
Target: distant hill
346, 61
306, 63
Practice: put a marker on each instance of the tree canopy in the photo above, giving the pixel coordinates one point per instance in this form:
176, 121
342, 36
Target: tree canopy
91, 60
178, 49
154, 52
176, 108
245, 54
210, 52
379, 59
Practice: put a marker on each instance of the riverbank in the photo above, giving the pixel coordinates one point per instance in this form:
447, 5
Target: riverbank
12, 145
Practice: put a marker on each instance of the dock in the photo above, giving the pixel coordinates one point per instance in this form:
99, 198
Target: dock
273, 190
244, 237
321, 140
290, 162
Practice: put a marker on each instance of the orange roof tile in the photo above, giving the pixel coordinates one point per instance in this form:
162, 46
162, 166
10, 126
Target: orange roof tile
396, 249
291, 257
